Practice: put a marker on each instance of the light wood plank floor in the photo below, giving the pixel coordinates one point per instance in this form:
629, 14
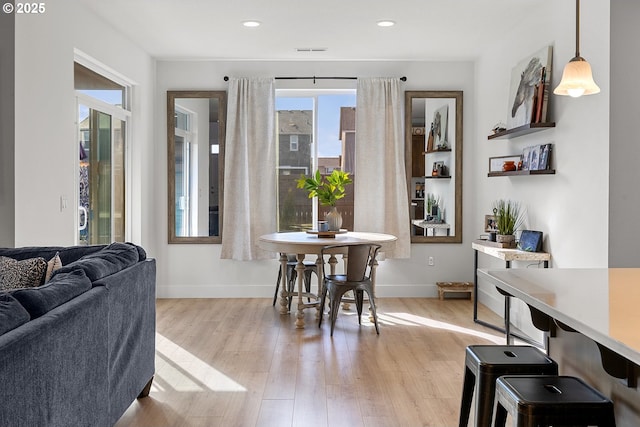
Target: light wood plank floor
238, 362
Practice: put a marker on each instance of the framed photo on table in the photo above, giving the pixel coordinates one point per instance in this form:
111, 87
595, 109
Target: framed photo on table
489, 223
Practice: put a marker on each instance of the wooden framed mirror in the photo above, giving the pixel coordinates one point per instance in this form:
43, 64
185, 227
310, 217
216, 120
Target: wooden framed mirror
433, 150
195, 152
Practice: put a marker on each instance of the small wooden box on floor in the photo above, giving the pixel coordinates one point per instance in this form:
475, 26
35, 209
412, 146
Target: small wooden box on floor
457, 287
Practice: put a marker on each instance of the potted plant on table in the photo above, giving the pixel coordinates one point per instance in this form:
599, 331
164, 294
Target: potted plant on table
328, 189
508, 217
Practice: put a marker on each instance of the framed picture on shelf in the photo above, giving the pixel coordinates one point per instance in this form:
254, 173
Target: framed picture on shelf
544, 156
440, 128
489, 223
530, 75
526, 153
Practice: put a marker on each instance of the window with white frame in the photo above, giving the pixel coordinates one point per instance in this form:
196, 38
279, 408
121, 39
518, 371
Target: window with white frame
316, 131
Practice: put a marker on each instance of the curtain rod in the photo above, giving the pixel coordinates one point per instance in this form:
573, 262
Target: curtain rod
314, 78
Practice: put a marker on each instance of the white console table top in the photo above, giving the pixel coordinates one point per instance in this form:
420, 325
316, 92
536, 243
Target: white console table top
602, 304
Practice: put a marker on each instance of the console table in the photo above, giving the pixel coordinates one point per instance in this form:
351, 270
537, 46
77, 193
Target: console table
507, 255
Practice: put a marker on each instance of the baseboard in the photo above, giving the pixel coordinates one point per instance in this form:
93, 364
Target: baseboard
263, 291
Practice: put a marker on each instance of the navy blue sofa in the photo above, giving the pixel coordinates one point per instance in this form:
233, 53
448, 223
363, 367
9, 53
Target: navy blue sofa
80, 349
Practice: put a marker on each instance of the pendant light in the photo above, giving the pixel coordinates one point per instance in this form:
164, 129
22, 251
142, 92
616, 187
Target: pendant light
577, 79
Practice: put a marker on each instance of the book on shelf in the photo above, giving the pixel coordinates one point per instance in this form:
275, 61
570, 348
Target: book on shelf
539, 99
545, 95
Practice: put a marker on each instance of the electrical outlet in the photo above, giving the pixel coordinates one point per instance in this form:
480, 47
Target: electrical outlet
431, 261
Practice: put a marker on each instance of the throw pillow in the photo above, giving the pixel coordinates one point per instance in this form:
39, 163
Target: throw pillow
52, 265
21, 274
12, 314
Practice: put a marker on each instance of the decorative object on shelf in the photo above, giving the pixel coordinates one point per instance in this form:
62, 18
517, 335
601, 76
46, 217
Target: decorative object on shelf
328, 189
509, 165
508, 217
430, 139
577, 79
439, 169
417, 130
498, 127
525, 76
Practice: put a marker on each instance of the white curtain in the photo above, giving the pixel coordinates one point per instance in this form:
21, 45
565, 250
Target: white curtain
249, 168
381, 204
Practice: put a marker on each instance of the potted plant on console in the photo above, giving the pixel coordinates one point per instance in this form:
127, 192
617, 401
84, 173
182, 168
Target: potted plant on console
508, 217
328, 189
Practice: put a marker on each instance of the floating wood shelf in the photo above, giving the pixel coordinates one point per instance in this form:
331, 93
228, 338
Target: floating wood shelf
522, 173
444, 150
522, 130
438, 177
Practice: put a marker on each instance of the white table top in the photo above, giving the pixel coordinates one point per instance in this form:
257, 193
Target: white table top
602, 304
305, 243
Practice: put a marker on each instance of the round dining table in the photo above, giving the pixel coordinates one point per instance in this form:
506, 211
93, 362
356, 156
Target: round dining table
311, 243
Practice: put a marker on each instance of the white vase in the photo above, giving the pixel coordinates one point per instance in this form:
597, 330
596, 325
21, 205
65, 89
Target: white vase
334, 219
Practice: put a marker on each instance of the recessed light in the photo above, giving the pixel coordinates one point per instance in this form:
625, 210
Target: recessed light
386, 23
251, 24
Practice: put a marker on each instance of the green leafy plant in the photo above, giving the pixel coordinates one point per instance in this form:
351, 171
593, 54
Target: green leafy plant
328, 189
508, 216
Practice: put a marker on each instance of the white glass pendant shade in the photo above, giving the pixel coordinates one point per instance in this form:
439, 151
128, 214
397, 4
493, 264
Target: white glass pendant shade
577, 79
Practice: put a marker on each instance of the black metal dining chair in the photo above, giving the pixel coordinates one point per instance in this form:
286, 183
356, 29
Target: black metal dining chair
357, 278
292, 276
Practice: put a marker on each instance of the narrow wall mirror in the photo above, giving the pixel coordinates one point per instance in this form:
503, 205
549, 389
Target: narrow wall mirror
195, 144
433, 129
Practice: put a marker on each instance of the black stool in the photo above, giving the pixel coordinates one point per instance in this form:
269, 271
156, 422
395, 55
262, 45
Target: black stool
485, 363
550, 400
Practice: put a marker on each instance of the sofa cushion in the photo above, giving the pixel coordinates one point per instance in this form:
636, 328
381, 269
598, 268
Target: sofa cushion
111, 259
60, 289
12, 314
67, 254
26, 273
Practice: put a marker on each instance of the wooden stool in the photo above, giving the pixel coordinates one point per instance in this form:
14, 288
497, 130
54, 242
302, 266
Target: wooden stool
550, 400
443, 287
485, 363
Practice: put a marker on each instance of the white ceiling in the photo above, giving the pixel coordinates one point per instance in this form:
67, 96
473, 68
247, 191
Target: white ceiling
211, 29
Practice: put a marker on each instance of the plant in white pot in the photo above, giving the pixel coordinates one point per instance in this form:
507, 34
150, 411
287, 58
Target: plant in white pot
508, 217
328, 189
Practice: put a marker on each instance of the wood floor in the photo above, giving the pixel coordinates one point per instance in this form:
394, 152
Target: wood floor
238, 362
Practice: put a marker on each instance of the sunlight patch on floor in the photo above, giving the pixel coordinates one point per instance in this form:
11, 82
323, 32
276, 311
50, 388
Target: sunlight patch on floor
183, 371
411, 319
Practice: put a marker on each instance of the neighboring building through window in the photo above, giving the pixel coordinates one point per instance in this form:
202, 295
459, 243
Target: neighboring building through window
303, 119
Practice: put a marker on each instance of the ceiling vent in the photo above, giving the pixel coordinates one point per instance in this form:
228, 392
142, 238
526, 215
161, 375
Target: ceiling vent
311, 49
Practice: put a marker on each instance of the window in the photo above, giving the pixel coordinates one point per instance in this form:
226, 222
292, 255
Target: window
293, 143
302, 119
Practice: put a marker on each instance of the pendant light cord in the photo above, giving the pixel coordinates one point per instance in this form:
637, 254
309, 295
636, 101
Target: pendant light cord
577, 28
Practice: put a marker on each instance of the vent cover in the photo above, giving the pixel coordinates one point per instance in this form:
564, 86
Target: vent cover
311, 49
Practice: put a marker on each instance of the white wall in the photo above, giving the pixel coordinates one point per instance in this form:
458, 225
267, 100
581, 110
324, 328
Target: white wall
197, 270
46, 144
624, 173
570, 207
